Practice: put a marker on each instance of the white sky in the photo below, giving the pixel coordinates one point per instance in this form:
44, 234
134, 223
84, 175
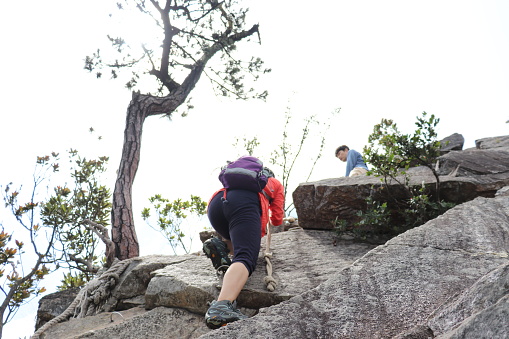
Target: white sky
373, 59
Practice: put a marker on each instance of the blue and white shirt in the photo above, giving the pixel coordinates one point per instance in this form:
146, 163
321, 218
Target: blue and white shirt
354, 159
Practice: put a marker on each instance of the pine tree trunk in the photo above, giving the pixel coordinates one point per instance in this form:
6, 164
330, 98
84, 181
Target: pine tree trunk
123, 233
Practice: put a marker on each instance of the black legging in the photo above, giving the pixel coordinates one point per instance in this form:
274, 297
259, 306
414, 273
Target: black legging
238, 219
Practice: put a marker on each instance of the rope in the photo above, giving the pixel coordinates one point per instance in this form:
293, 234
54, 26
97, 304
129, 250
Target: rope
269, 279
90, 297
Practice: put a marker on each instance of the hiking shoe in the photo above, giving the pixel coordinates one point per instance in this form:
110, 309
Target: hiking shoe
217, 251
221, 313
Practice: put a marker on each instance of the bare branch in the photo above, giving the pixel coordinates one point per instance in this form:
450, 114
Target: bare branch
102, 233
90, 267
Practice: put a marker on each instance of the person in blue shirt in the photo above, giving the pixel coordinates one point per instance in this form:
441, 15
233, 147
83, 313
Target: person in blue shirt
355, 164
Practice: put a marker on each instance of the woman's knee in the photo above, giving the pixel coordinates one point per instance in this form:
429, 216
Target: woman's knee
249, 264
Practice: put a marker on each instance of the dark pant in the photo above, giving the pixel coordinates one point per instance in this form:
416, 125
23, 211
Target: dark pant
237, 218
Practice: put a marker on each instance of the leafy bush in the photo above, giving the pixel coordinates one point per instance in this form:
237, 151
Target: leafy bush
375, 222
54, 230
421, 209
170, 216
72, 280
68, 209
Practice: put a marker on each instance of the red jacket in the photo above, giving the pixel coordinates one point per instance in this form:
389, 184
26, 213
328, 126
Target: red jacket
272, 203
274, 207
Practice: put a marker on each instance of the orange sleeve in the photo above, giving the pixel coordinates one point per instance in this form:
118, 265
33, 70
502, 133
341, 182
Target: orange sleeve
277, 205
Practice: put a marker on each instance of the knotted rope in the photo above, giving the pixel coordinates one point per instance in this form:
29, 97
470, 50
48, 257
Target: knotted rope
269, 279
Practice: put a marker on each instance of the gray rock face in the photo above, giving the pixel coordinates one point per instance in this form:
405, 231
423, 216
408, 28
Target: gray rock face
494, 142
301, 260
134, 323
189, 284
133, 283
481, 311
483, 165
399, 285
445, 279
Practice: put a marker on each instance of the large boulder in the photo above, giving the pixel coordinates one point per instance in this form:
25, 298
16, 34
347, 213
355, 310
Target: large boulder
454, 142
133, 283
464, 175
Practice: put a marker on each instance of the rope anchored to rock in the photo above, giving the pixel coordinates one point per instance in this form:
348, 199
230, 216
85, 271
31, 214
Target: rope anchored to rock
269, 279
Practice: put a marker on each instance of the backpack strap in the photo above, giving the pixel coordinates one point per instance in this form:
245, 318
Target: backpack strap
267, 196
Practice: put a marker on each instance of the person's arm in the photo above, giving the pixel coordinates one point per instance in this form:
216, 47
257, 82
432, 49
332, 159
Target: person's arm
350, 161
277, 205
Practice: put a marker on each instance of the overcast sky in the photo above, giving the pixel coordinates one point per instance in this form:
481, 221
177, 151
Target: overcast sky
372, 59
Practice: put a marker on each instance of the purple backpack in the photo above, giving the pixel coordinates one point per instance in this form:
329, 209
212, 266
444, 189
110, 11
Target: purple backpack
245, 173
